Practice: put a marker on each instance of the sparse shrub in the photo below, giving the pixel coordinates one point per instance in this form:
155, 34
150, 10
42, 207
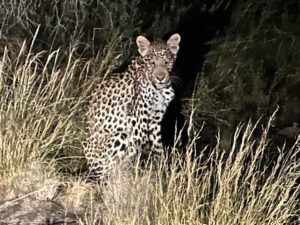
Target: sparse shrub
88, 22
251, 68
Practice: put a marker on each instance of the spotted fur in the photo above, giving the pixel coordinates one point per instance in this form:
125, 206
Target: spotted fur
126, 110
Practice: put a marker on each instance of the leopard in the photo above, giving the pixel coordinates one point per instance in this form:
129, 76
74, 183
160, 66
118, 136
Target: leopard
126, 109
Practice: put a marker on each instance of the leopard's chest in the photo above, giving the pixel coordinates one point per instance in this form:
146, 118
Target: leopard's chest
130, 107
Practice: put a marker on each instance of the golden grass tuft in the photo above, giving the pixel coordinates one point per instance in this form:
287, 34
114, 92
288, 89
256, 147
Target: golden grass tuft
241, 187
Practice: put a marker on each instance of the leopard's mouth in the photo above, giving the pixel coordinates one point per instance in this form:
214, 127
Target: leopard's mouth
162, 84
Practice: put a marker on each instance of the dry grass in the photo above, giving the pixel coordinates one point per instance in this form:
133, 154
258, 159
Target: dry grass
236, 188
41, 127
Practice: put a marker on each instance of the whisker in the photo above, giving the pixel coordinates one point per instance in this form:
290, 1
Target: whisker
177, 81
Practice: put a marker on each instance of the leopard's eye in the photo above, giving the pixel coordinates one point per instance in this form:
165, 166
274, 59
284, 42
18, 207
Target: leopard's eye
149, 61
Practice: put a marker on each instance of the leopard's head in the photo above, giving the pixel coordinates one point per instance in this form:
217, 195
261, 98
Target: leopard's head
158, 59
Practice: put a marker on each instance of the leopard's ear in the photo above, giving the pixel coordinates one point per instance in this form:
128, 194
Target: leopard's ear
173, 43
143, 45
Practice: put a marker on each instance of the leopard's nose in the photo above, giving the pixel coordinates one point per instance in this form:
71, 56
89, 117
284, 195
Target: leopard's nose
160, 76
160, 73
